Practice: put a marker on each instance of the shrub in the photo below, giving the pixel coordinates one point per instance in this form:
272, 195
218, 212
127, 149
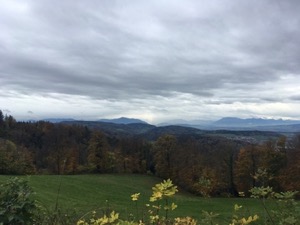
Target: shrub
16, 207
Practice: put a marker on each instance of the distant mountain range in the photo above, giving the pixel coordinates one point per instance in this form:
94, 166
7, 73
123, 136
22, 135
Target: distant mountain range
122, 120
234, 123
252, 122
226, 123
152, 133
57, 120
246, 130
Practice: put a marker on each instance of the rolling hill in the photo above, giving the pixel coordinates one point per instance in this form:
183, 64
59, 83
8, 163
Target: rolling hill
151, 132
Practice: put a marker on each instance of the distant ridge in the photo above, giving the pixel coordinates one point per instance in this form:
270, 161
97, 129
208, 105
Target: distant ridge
123, 120
235, 123
225, 123
152, 133
252, 122
57, 120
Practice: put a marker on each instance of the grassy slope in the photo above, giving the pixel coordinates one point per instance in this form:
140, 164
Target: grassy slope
85, 193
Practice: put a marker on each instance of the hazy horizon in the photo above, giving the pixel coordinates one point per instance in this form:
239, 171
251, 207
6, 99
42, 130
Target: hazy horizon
165, 122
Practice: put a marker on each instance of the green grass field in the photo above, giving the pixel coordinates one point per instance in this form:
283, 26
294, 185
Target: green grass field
84, 193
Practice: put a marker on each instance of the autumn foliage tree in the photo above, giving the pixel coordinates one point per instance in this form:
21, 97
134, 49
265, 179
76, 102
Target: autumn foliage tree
290, 173
164, 155
15, 159
98, 153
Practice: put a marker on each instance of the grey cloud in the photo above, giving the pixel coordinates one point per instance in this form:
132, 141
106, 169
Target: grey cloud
270, 99
120, 50
295, 98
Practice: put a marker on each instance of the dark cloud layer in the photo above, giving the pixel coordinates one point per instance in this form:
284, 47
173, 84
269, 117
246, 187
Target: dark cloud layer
216, 51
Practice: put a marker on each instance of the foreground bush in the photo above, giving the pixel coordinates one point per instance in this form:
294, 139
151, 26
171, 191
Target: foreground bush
16, 207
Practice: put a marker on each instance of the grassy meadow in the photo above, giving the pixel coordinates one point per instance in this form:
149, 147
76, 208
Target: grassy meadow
85, 193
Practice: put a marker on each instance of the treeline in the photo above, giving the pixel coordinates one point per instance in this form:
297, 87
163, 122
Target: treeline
200, 164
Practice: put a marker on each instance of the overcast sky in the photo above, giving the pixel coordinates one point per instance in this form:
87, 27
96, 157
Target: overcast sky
155, 60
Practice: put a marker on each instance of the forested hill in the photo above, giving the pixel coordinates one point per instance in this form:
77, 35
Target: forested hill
114, 129
151, 132
143, 130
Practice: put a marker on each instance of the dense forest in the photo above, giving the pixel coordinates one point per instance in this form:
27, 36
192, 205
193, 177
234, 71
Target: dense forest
200, 163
